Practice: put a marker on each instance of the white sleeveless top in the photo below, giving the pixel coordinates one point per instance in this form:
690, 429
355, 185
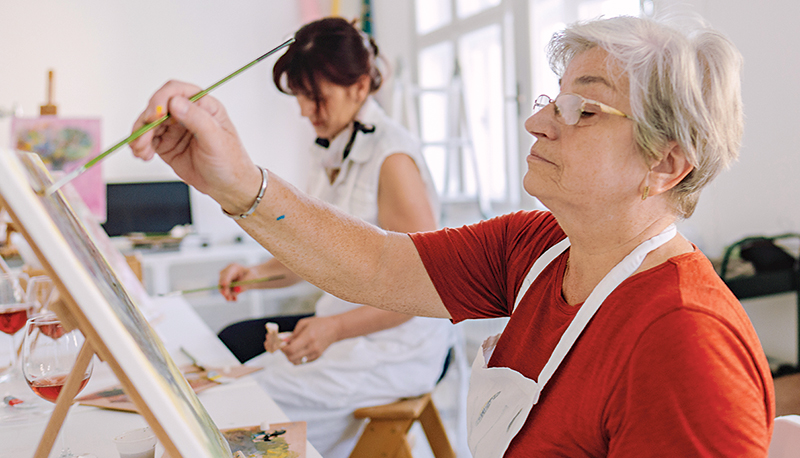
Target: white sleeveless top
355, 191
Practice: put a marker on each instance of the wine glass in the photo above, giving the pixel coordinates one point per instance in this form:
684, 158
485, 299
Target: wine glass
14, 311
41, 292
49, 353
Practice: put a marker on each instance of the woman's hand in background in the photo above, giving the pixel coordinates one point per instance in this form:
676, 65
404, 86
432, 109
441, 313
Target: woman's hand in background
311, 337
233, 273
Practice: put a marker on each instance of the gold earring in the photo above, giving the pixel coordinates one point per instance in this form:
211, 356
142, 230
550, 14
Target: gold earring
646, 191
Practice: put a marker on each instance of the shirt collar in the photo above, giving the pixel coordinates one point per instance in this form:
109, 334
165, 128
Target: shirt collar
333, 149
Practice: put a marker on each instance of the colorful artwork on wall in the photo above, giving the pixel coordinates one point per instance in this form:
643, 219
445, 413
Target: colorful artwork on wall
65, 144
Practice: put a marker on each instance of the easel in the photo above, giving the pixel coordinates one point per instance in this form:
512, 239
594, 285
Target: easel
74, 379
64, 401
6, 249
111, 322
69, 321
459, 145
73, 382
49, 109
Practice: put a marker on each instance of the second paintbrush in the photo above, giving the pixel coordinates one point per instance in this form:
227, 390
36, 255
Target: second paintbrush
233, 284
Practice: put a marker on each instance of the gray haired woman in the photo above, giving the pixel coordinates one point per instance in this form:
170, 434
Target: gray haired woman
668, 366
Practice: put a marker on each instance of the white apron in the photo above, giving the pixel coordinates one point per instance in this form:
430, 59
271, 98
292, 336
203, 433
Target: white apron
501, 398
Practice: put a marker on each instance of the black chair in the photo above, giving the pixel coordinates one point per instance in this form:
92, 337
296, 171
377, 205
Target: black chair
245, 339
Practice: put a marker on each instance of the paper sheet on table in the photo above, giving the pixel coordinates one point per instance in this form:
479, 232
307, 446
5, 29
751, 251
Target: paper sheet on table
114, 398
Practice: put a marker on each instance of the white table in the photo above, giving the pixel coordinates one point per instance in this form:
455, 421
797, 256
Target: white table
90, 430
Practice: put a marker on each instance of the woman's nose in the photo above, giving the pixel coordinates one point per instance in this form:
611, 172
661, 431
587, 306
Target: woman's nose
307, 106
542, 123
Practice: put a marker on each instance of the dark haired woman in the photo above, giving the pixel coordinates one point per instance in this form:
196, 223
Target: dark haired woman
348, 355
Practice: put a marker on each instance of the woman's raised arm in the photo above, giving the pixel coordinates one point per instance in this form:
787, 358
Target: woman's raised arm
339, 253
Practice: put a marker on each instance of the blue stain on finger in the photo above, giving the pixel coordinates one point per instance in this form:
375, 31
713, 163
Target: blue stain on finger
281, 217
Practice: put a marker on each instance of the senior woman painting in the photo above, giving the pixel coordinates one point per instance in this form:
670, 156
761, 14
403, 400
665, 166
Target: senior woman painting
622, 340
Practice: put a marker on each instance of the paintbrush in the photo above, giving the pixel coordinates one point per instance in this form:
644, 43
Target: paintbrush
211, 288
193, 360
139, 132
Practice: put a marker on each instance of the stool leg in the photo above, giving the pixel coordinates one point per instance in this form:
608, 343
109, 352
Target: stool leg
435, 432
382, 439
404, 451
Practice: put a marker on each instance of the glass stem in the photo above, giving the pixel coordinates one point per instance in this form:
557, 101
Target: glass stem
62, 438
12, 354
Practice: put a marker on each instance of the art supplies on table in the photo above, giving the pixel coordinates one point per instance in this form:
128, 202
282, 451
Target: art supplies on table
276, 440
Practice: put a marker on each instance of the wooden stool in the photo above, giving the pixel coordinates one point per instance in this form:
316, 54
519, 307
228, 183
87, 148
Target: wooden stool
385, 435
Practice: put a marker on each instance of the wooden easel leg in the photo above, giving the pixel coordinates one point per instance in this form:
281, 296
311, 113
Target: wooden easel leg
64, 401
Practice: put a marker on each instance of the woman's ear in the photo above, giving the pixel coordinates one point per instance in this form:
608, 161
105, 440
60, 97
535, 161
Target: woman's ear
361, 88
670, 170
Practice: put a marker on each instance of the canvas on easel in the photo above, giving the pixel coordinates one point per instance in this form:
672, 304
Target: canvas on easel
98, 303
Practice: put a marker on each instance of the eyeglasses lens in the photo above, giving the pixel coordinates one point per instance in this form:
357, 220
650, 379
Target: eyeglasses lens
541, 102
569, 107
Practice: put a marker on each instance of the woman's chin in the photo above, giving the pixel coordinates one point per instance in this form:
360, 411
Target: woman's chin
536, 187
531, 183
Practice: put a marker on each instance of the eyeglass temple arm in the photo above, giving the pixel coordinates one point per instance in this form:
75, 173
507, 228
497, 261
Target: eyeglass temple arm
610, 110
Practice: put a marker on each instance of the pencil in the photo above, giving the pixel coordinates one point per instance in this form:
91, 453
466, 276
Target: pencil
142, 130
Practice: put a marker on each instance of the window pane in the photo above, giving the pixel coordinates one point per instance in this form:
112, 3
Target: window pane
434, 156
607, 8
550, 16
435, 73
480, 54
433, 116
436, 65
547, 17
432, 14
470, 7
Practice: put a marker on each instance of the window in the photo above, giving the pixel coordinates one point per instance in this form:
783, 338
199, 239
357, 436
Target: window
463, 78
550, 16
489, 54
432, 14
467, 8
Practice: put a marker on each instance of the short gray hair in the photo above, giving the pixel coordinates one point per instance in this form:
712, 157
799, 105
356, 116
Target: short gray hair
685, 86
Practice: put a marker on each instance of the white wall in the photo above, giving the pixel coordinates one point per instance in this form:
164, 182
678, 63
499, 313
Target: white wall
109, 57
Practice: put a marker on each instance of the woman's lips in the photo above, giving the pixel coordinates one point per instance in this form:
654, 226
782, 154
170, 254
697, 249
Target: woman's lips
535, 157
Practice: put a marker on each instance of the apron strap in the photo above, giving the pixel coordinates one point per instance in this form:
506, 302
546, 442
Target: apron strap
617, 275
538, 266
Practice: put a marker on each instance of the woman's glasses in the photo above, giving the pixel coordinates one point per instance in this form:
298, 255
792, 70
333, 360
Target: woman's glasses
573, 109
